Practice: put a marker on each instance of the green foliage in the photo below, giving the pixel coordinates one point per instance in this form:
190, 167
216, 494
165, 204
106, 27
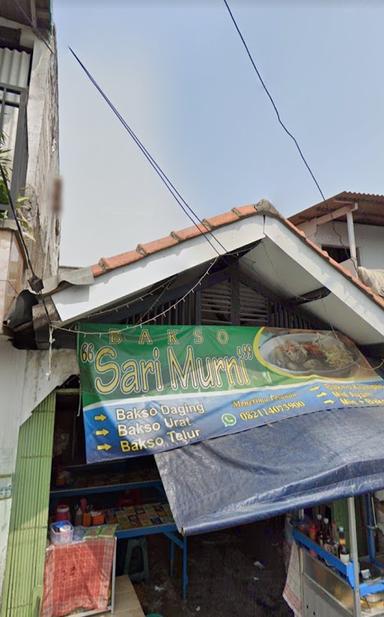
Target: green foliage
22, 205
3, 193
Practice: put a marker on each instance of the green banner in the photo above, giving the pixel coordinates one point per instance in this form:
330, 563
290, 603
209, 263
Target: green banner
154, 388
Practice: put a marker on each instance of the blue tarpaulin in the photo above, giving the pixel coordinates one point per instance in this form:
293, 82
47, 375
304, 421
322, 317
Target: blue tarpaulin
269, 470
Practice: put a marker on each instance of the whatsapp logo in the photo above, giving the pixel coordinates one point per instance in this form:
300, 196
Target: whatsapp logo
228, 419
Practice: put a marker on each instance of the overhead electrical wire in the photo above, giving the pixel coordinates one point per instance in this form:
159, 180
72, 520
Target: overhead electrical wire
282, 124
187, 209
142, 323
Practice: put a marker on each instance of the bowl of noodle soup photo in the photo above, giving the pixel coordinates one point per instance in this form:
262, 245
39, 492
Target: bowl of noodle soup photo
302, 353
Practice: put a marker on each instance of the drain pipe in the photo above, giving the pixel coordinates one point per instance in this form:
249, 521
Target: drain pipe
351, 235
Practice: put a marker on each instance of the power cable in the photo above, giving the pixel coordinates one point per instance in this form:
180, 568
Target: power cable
152, 292
283, 125
187, 209
288, 132
142, 323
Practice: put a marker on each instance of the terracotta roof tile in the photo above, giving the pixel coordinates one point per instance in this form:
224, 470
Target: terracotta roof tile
296, 229
244, 211
117, 261
222, 219
157, 245
176, 237
189, 232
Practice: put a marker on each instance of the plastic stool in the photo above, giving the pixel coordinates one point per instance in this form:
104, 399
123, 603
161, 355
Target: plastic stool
136, 560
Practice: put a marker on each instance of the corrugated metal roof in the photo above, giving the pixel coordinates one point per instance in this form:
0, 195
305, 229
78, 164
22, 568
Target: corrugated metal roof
14, 71
14, 67
370, 208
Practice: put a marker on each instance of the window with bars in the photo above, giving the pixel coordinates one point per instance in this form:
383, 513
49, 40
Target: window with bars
14, 75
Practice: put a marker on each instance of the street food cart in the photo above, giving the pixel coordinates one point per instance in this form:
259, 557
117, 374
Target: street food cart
331, 588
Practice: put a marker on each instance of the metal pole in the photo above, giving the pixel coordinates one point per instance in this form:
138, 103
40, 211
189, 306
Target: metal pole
354, 556
371, 526
351, 237
185, 567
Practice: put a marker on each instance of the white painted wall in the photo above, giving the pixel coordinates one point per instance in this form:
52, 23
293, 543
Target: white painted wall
23, 385
369, 241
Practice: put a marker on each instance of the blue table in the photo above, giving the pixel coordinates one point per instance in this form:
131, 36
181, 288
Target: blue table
168, 529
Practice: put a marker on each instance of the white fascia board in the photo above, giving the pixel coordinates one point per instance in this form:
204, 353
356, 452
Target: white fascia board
76, 302
328, 276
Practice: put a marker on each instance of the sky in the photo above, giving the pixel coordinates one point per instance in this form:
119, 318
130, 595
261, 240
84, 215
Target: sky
177, 72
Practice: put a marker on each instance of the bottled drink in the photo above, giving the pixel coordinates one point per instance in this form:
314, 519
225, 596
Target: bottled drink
78, 516
320, 538
344, 554
328, 542
343, 551
319, 522
320, 530
342, 541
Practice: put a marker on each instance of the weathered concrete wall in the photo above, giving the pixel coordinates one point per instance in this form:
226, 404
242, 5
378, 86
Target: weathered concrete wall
43, 158
11, 268
23, 385
369, 240
23, 374
41, 182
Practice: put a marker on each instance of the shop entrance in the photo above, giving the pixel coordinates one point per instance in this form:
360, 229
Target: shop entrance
239, 567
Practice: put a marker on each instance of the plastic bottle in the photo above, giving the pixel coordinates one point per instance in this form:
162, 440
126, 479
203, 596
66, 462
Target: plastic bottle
328, 543
62, 512
319, 525
87, 518
78, 516
342, 549
319, 521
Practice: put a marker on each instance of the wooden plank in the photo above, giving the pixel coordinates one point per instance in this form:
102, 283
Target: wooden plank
126, 600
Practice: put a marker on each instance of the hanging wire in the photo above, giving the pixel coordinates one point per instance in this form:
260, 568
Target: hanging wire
149, 320
151, 292
286, 130
282, 124
186, 208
